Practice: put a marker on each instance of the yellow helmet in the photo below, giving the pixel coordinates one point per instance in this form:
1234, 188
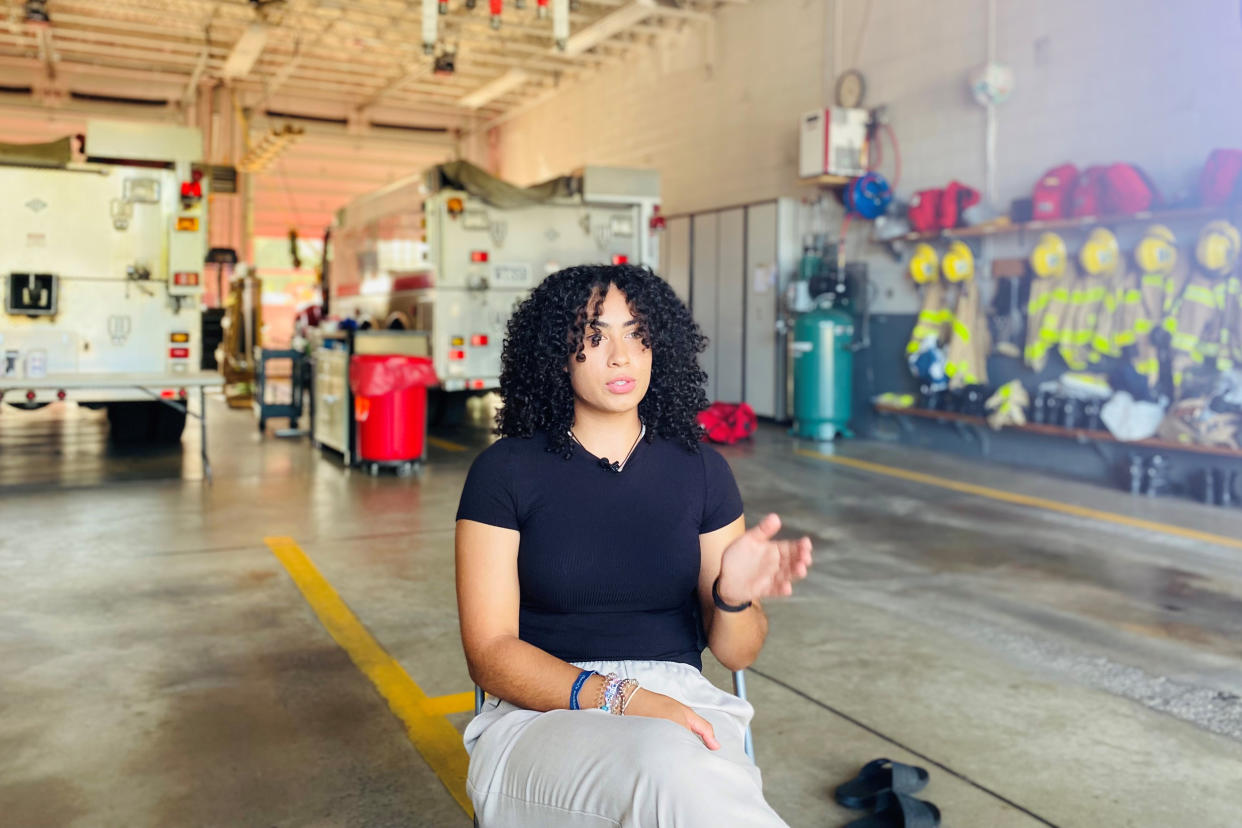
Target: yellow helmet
1157, 251
1217, 250
958, 263
924, 264
1100, 253
1049, 257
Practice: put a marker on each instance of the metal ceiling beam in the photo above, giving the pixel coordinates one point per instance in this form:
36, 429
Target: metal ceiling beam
278, 80
191, 86
119, 72
47, 53
306, 58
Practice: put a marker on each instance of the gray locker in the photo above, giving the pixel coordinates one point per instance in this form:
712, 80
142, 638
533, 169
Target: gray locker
771, 260
730, 304
737, 263
703, 289
675, 256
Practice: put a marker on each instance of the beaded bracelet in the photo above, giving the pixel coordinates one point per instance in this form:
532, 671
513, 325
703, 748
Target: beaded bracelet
616, 694
629, 687
601, 698
612, 701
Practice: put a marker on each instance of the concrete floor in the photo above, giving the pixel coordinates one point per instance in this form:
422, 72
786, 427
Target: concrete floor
160, 667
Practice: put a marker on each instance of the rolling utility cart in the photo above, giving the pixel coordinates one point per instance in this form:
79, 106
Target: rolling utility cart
269, 401
334, 409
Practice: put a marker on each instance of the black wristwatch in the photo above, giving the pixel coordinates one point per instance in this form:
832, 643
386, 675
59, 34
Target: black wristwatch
720, 604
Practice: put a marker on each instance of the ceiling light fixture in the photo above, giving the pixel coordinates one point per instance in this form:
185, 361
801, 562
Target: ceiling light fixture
36, 13
430, 25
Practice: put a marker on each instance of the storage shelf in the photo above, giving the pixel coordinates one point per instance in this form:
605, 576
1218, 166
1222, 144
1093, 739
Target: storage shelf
1082, 222
833, 180
1082, 435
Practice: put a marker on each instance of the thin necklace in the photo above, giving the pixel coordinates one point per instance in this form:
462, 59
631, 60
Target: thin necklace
614, 466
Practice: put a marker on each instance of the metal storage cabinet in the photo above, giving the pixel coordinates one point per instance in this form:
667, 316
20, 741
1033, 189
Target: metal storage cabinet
730, 304
738, 263
771, 258
704, 281
675, 257
332, 408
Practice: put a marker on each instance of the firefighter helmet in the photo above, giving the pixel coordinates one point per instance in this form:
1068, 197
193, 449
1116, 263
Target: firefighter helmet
1157, 251
958, 262
1217, 250
924, 264
1049, 257
1100, 253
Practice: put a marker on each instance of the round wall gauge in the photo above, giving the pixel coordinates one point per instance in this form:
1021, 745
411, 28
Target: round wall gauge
850, 89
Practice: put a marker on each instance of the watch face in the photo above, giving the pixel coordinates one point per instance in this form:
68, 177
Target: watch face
850, 89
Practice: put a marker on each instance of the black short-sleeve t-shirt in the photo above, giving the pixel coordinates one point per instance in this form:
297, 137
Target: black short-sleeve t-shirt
608, 564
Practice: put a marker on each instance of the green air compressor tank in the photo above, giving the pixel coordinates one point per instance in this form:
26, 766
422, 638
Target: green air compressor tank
823, 369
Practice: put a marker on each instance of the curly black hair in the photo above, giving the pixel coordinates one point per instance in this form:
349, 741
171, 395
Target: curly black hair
548, 328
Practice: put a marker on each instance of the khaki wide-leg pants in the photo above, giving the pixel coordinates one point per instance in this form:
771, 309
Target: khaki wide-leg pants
590, 768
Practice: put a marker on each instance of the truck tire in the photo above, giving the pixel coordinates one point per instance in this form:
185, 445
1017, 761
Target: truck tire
134, 423
168, 425
211, 337
446, 409
129, 423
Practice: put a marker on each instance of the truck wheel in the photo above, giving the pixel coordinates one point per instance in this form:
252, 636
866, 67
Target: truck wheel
169, 423
129, 423
133, 423
446, 408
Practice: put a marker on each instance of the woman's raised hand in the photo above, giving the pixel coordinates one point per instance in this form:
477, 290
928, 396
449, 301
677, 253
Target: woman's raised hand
755, 566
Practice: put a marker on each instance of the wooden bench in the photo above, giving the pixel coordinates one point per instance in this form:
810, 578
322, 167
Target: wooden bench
1080, 435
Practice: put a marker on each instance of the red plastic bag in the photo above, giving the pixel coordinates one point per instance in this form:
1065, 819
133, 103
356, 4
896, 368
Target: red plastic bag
955, 198
1088, 198
375, 376
1127, 189
728, 422
924, 210
1051, 199
1218, 183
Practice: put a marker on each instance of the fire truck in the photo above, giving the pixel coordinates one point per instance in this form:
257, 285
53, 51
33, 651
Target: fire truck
101, 253
451, 253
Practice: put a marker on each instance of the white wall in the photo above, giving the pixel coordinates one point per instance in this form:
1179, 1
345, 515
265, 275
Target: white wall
1155, 82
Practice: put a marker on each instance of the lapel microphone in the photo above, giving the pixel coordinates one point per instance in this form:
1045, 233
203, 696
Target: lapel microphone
613, 467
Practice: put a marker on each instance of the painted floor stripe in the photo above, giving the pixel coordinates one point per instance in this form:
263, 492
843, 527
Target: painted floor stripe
433, 736
447, 445
1023, 500
455, 703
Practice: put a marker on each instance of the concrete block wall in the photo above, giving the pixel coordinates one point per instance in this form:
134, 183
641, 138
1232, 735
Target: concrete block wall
1148, 81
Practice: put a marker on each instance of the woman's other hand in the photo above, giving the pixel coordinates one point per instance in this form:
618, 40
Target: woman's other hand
658, 706
755, 566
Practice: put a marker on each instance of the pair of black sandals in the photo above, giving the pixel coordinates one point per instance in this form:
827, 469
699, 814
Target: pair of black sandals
885, 788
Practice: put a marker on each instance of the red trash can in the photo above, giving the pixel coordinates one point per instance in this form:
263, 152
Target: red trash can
390, 406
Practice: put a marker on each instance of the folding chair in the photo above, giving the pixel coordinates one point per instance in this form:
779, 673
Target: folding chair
739, 690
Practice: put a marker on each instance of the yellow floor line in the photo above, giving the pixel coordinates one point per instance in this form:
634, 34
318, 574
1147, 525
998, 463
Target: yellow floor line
447, 445
454, 703
433, 736
1023, 500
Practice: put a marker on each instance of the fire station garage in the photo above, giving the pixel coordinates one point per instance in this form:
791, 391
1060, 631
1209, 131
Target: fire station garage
396, 396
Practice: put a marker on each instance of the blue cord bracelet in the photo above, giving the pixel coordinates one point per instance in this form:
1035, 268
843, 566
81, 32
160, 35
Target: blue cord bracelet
581, 680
